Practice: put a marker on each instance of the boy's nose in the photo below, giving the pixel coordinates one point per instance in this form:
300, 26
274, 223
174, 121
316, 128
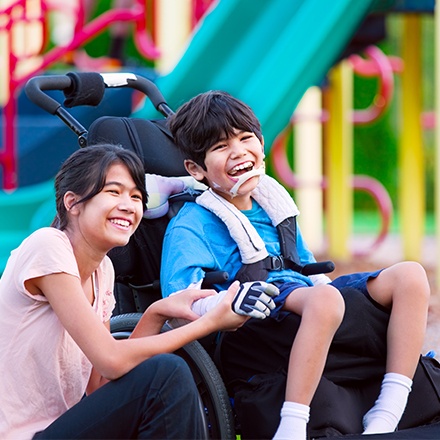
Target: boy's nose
238, 149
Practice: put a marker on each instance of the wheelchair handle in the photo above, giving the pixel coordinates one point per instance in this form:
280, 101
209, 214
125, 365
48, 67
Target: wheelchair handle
77, 84
87, 88
35, 86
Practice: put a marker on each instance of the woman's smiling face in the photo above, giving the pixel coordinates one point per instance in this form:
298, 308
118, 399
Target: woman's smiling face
111, 216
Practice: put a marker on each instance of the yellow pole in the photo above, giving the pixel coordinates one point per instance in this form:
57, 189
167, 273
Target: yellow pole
412, 172
173, 28
339, 161
308, 164
4, 62
437, 140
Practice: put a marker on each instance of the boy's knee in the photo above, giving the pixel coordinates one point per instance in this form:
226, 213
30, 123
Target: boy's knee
326, 304
403, 281
412, 277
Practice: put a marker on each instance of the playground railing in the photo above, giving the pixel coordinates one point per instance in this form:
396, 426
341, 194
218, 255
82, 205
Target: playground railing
23, 31
374, 64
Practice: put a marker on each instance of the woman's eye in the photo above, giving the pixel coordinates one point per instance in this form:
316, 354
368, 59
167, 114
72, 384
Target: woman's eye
137, 197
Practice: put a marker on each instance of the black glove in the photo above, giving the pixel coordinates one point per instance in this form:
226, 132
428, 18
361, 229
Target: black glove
255, 299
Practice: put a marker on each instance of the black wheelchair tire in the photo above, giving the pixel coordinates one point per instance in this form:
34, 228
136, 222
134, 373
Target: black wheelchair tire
215, 404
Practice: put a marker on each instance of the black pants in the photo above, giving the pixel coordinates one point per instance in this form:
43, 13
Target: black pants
254, 361
358, 350
156, 400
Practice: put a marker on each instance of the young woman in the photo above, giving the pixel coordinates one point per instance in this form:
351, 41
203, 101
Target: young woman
55, 305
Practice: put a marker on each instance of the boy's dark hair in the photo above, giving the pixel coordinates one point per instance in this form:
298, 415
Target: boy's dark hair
85, 172
207, 118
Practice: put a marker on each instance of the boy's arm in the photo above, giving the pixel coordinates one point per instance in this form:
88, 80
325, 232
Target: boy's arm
204, 305
186, 254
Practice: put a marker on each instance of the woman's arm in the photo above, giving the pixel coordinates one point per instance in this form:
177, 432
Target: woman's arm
175, 306
113, 358
96, 380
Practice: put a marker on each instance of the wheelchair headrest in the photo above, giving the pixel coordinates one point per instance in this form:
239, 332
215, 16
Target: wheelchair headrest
150, 140
162, 190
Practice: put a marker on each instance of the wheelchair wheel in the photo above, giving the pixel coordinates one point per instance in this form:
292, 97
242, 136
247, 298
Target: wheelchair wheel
215, 405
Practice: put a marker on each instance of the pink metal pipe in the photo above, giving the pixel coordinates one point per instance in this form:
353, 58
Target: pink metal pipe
380, 65
284, 172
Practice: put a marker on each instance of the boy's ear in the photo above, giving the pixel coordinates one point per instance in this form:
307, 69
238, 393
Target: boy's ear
194, 169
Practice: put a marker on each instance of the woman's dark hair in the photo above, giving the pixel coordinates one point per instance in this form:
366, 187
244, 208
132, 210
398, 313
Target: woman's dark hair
85, 172
207, 118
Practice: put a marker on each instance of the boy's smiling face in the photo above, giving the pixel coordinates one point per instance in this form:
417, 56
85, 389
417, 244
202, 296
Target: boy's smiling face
226, 161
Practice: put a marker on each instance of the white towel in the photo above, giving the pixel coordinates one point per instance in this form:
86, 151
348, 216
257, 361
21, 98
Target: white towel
271, 196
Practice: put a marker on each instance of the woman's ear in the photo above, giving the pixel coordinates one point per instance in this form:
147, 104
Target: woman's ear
70, 199
194, 170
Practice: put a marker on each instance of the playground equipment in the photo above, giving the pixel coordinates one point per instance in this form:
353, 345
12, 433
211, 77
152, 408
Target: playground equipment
339, 145
230, 34
26, 21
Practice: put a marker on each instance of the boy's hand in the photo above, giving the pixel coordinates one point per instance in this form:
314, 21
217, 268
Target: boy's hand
254, 299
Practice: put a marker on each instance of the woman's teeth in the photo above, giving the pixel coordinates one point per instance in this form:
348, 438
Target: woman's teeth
120, 222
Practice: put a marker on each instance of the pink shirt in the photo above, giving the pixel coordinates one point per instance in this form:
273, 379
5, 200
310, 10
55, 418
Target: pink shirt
43, 371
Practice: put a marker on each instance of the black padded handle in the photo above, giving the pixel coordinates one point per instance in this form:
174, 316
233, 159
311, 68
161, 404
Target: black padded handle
317, 268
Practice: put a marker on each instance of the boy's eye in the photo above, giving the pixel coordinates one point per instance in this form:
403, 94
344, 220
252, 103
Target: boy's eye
247, 136
218, 147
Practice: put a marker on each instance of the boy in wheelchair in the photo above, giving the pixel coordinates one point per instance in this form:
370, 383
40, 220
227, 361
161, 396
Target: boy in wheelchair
245, 224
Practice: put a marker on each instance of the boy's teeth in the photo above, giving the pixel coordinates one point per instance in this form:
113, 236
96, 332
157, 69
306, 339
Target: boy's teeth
241, 167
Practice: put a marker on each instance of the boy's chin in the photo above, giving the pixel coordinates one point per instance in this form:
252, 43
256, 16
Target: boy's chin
248, 186
244, 190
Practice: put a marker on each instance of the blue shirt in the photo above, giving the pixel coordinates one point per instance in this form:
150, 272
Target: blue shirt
196, 239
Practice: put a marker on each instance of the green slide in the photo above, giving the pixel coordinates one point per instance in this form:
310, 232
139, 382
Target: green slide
21, 213
265, 52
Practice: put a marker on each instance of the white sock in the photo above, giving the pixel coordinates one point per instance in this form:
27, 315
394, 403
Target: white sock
293, 424
388, 408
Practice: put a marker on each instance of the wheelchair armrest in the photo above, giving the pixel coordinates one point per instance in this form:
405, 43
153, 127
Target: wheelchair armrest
214, 277
317, 268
